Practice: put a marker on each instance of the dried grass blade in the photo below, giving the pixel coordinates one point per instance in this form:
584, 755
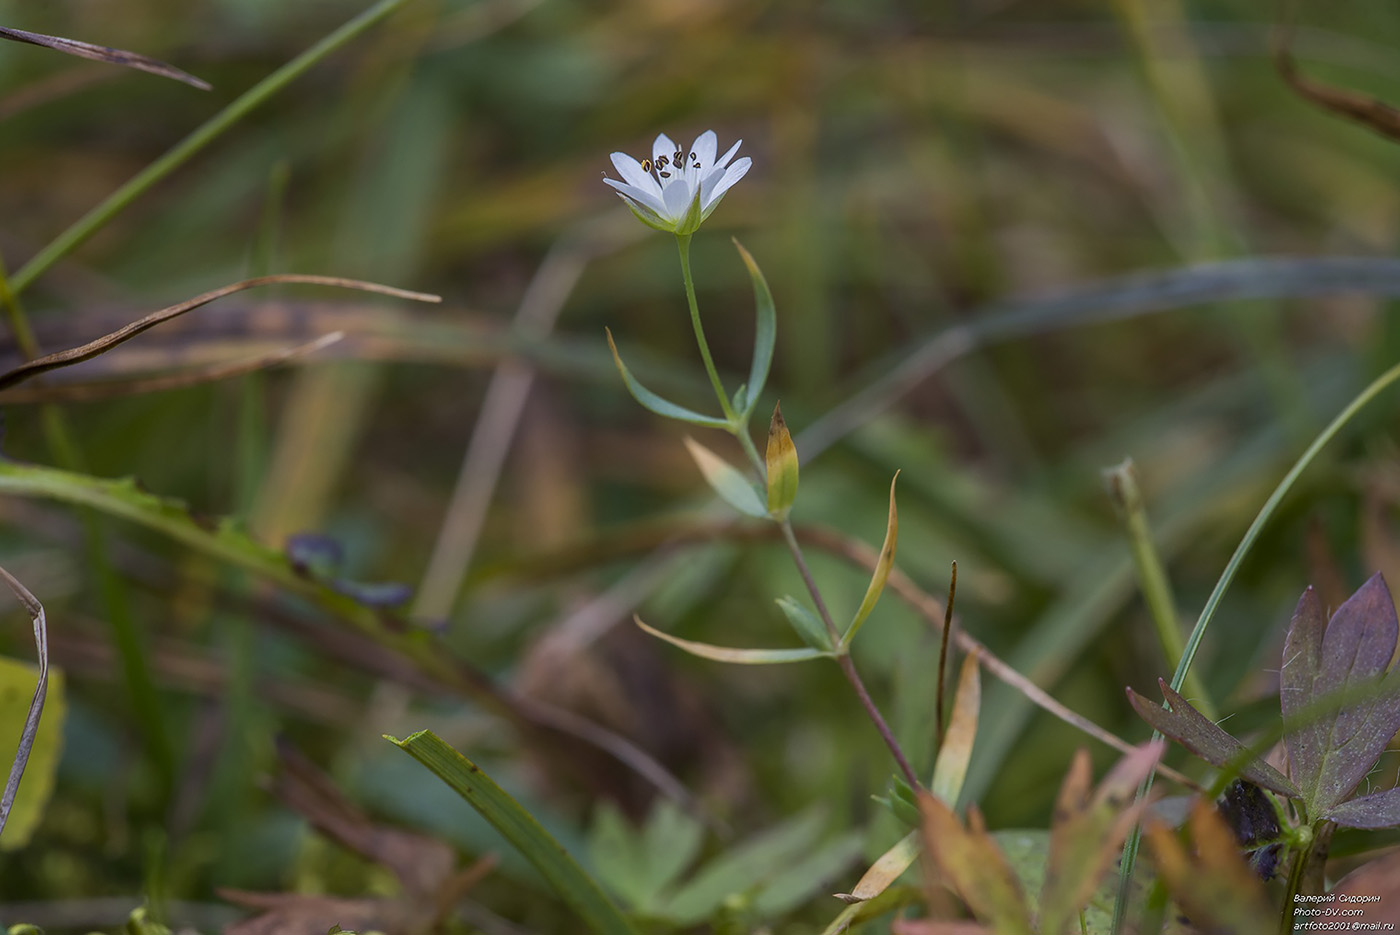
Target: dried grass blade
105, 343
102, 53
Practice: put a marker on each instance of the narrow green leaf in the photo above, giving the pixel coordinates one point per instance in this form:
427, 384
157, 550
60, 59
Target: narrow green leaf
655, 403
811, 630
726, 480
950, 769
882, 571
751, 657
766, 330
592, 908
780, 462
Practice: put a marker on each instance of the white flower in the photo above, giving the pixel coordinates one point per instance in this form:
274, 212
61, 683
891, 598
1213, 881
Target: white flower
676, 189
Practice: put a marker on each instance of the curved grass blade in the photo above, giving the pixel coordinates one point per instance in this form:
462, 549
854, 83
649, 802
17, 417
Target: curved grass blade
36, 705
655, 403
750, 657
766, 331
102, 53
519, 827
881, 575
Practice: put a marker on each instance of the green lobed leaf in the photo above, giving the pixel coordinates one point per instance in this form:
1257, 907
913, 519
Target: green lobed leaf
733, 488
743, 869
811, 630
766, 330
882, 571
639, 864
751, 657
591, 907
806, 876
657, 404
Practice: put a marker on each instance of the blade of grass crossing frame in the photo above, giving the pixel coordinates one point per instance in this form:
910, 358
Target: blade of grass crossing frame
521, 829
1212, 604
882, 571
181, 153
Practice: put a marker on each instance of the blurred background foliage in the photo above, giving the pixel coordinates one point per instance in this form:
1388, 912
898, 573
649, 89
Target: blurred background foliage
914, 165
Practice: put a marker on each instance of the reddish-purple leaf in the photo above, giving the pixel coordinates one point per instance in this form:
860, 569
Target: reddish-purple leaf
1332, 750
1298, 684
1379, 810
1197, 733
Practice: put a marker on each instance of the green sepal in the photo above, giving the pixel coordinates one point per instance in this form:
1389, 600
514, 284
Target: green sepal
655, 403
780, 464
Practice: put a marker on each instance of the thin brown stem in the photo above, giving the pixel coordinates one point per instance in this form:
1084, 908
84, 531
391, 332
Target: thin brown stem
848, 667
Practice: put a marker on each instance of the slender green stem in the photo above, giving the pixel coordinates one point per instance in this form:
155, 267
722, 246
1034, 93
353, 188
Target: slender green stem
1152, 576
683, 244
848, 667
1266, 513
98, 217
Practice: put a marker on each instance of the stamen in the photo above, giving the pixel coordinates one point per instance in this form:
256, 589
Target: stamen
662, 162
646, 165
692, 157
697, 164
664, 175
680, 156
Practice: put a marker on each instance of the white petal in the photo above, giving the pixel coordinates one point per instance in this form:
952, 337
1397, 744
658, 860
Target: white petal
724, 160
663, 147
643, 199
703, 151
633, 174
720, 182
678, 195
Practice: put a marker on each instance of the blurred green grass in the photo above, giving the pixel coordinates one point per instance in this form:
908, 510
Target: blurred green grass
913, 166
